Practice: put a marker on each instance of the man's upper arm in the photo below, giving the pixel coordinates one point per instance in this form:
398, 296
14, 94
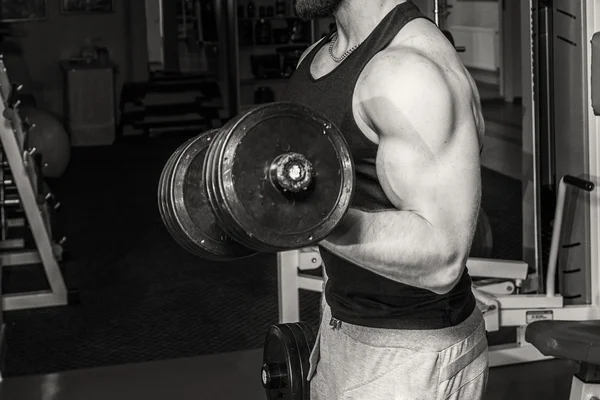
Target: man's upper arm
427, 163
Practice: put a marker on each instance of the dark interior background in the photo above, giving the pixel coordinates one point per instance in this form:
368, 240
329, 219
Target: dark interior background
141, 296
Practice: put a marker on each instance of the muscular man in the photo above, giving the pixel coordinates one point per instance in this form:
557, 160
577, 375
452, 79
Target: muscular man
399, 317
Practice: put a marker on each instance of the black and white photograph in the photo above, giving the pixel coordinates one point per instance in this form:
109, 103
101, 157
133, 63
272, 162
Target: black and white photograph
300, 199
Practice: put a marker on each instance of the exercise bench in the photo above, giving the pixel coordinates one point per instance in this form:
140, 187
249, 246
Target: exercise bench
576, 341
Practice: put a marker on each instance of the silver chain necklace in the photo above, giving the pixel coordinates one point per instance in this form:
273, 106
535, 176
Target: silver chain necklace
343, 56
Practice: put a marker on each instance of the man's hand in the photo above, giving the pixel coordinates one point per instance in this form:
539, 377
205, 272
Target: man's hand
428, 165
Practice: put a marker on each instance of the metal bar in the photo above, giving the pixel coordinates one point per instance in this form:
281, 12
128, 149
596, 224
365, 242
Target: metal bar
10, 202
15, 222
529, 301
592, 15
492, 268
436, 12
28, 300
12, 244
519, 317
20, 258
287, 283
557, 228
310, 282
27, 257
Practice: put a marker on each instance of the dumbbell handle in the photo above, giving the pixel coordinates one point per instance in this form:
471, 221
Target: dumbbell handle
291, 172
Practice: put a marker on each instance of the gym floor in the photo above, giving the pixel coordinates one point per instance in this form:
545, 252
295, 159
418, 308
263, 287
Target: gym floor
149, 312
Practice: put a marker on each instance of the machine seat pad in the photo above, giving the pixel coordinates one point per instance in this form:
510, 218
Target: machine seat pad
569, 340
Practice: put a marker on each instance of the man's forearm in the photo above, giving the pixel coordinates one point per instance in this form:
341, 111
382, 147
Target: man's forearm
398, 245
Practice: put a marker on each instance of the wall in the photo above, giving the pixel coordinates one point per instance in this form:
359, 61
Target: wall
44, 43
426, 6
511, 52
474, 13
470, 13
478, 14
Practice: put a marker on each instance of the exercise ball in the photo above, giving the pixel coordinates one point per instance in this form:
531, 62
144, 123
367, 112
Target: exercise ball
50, 139
483, 241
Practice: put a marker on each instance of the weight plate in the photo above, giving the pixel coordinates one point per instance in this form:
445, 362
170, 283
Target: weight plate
189, 217
171, 220
163, 194
281, 176
306, 342
191, 208
177, 232
213, 190
281, 374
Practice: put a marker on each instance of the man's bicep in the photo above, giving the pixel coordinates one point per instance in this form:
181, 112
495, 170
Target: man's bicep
409, 174
423, 164
444, 191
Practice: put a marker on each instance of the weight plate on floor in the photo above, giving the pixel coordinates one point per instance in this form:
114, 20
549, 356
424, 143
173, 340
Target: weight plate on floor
281, 177
306, 342
186, 210
286, 358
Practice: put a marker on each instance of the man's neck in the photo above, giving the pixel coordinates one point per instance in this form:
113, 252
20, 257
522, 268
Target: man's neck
356, 19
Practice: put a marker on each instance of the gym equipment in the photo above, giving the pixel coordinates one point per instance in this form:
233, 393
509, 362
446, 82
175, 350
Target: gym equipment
46, 134
575, 341
194, 105
286, 361
18, 160
184, 206
277, 177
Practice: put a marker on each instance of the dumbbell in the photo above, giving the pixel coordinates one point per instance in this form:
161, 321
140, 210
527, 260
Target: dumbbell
275, 178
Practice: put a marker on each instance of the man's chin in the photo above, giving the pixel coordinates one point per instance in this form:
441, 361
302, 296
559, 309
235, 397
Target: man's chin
313, 11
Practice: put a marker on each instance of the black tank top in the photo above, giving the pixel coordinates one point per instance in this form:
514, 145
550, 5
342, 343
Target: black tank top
356, 295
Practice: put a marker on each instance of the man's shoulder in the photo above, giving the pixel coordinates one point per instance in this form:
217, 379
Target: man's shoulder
401, 67
419, 46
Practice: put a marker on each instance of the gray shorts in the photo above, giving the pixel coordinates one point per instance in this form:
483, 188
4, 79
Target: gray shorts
353, 362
